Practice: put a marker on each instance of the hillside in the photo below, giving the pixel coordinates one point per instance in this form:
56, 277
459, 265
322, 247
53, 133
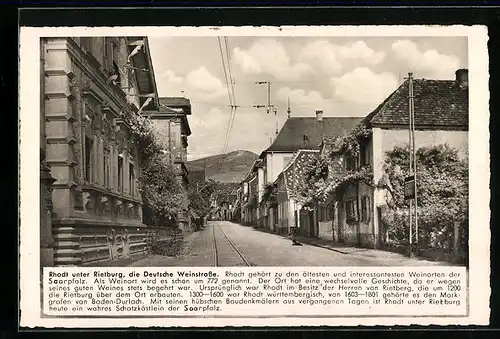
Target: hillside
231, 167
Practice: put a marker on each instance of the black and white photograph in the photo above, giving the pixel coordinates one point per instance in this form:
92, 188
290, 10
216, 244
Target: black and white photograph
253, 176
189, 151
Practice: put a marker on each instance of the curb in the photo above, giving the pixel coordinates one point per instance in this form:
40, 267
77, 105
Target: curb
321, 246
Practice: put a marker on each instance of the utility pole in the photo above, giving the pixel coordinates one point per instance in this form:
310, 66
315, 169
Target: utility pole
411, 180
412, 110
169, 143
270, 106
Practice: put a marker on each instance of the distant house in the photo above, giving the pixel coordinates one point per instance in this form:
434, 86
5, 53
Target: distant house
171, 119
290, 203
441, 116
298, 133
250, 196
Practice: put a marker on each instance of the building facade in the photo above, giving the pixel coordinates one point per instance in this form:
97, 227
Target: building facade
441, 117
171, 121
89, 84
298, 133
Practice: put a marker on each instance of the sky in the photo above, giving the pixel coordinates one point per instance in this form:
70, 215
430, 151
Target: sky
341, 76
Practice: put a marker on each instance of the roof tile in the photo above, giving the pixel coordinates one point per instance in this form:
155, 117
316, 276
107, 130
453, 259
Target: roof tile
307, 132
436, 103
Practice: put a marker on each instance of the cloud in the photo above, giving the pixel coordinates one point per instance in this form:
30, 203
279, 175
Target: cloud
300, 97
171, 77
269, 56
332, 57
204, 84
429, 63
250, 131
363, 86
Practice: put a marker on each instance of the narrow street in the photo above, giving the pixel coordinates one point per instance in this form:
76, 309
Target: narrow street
223, 243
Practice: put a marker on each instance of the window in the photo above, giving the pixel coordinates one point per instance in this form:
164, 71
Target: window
350, 163
106, 167
350, 210
120, 173
86, 43
117, 72
365, 209
88, 154
131, 179
364, 155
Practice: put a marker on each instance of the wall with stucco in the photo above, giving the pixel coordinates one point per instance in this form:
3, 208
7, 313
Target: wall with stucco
275, 163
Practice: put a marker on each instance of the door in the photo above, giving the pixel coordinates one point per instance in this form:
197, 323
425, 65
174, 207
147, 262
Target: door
340, 221
383, 234
312, 227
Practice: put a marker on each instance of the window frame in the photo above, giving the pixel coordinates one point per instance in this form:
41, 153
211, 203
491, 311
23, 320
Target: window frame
107, 167
120, 174
131, 178
365, 209
351, 217
363, 154
88, 158
350, 163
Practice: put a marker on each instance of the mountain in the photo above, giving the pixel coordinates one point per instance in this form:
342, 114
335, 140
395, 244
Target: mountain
230, 167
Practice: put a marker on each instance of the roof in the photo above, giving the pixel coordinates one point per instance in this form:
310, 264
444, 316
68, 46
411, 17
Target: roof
256, 164
294, 172
307, 132
143, 67
437, 103
176, 102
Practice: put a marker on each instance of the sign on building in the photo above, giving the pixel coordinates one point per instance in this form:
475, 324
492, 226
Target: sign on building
409, 187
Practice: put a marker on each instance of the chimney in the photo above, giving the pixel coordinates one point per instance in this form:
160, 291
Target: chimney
319, 115
462, 77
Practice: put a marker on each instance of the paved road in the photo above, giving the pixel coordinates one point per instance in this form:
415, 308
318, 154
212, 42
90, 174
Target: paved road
224, 243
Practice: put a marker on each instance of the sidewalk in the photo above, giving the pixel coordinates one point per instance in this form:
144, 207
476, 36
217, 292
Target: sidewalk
331, 245
386, 256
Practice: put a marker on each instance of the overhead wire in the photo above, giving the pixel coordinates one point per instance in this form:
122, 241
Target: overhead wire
230, 92
231, 78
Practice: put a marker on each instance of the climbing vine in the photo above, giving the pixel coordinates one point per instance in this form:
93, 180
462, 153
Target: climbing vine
163, 194
269, 195
327, 176
350, 141
144, 134
442, 196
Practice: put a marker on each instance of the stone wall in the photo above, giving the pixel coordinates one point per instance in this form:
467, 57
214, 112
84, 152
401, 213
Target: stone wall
84, 243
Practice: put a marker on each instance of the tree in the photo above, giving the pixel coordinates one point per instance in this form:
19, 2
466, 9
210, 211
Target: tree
162, 191
269, 195
199, 201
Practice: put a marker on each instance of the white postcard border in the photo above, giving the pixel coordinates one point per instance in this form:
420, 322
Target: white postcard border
479, 287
